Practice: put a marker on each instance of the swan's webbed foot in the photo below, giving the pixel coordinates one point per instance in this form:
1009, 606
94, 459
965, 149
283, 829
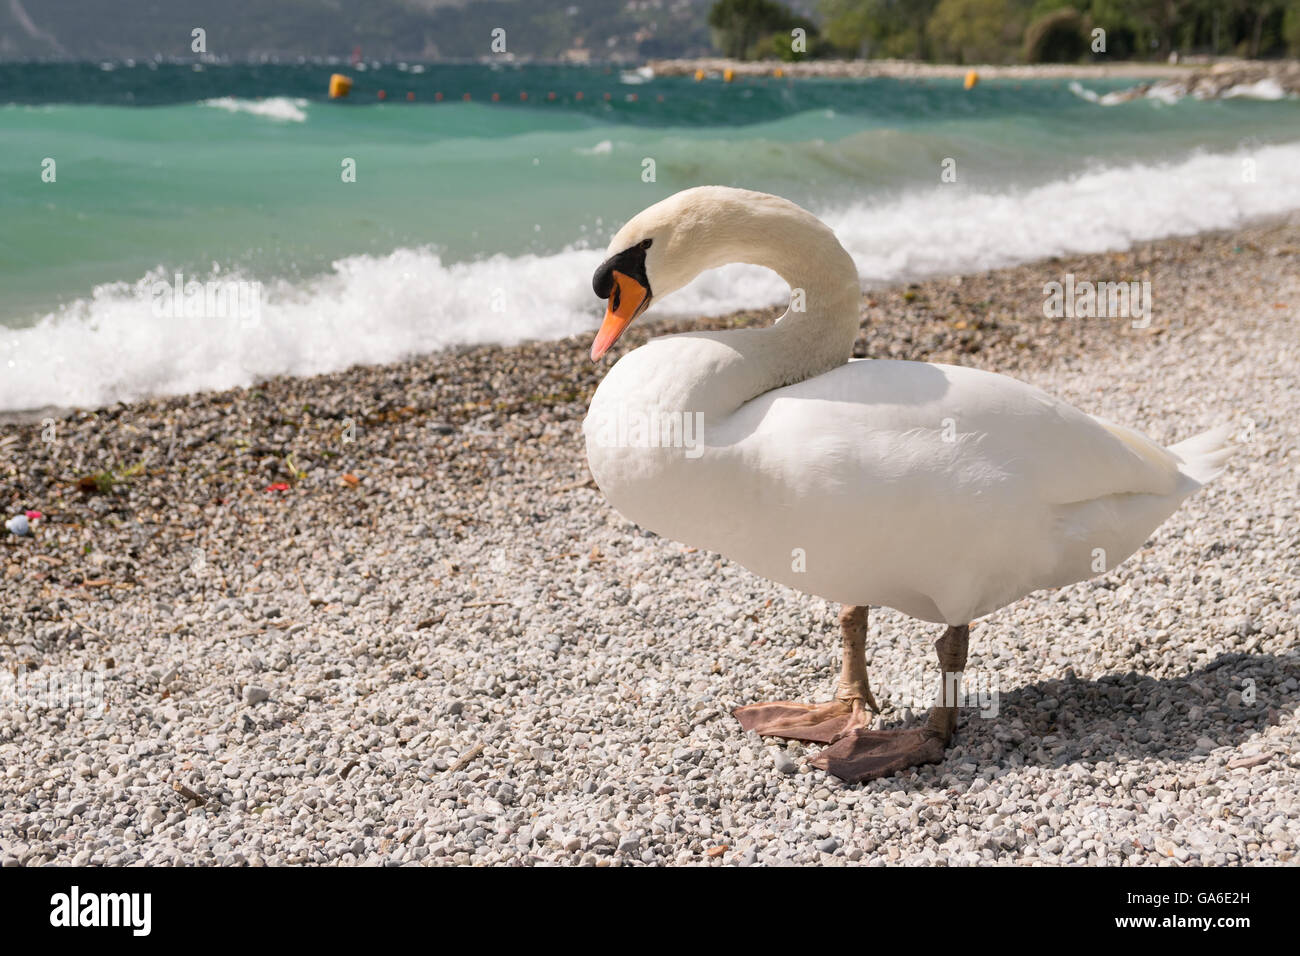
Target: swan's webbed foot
856, 753
869, 754
815, 723
828, 722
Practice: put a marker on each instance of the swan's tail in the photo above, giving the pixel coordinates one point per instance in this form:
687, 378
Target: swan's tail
1202, 457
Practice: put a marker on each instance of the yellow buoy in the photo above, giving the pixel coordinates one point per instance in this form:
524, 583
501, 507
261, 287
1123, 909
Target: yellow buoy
728, 75
340, 86
699, 75
971, 79
778, 73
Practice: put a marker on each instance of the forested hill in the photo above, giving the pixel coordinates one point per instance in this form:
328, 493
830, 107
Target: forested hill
383, 29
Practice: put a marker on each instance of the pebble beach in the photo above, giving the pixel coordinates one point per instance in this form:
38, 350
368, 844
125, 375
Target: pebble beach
383, 617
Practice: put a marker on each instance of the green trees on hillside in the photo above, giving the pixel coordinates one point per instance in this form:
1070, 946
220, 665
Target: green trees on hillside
975, 31
1058, 37
1059, 30
761, 28
879, 28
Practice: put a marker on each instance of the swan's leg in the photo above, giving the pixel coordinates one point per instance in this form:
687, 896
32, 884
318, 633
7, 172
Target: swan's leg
868, 754
828, 722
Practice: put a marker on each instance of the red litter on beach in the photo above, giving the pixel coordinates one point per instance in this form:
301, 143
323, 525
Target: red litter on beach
33, 515
278, 486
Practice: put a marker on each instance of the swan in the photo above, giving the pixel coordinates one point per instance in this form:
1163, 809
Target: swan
941, 491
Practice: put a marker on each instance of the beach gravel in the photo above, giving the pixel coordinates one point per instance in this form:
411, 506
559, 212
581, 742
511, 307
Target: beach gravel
382, 617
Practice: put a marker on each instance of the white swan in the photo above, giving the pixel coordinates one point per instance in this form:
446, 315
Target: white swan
941, 491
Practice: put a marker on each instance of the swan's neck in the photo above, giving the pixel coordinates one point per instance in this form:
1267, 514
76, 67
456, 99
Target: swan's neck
714, 374
817, 331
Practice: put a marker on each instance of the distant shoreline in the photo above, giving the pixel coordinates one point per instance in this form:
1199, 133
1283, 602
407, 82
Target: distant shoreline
912, 69
1199, 77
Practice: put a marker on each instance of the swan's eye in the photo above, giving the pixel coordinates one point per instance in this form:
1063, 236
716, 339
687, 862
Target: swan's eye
615, 298
630, 262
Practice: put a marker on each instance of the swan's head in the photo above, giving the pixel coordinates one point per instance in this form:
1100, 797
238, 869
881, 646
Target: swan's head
623, 280
664, 247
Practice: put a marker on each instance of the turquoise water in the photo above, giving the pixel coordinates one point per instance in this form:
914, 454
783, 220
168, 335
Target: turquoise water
236, 171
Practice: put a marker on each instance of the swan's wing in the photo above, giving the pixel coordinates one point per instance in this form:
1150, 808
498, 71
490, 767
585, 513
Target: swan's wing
948, 417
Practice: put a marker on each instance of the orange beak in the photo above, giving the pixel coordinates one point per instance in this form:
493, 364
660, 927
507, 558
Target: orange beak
627, 300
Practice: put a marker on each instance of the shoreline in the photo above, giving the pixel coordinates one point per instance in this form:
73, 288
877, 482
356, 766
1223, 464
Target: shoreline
1202, 77
392, 594
644, 329
916, 69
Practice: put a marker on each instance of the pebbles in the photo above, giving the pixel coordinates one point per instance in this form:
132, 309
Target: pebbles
783, 762
440, 666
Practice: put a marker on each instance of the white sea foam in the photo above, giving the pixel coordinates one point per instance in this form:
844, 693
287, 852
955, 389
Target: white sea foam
1170, 92
1112, 98
282, 108
1265, 89
1166, 93
949, 230
371, 309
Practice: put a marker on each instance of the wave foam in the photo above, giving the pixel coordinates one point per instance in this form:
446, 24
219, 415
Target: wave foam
374, 309
949, 230
1265, 89
281, 108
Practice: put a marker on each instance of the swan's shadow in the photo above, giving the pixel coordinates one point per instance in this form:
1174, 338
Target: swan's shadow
1165, 726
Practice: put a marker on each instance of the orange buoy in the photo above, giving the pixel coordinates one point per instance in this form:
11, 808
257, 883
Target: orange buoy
437, 97
550, 96
383, 95
410, 95
659, 98
466, 98
578, 96
971, 79
699, 75
728, 75
340, 86
496, 97
778, 73
523, 97
607, 97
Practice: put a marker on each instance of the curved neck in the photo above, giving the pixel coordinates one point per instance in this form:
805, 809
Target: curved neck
817, 331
